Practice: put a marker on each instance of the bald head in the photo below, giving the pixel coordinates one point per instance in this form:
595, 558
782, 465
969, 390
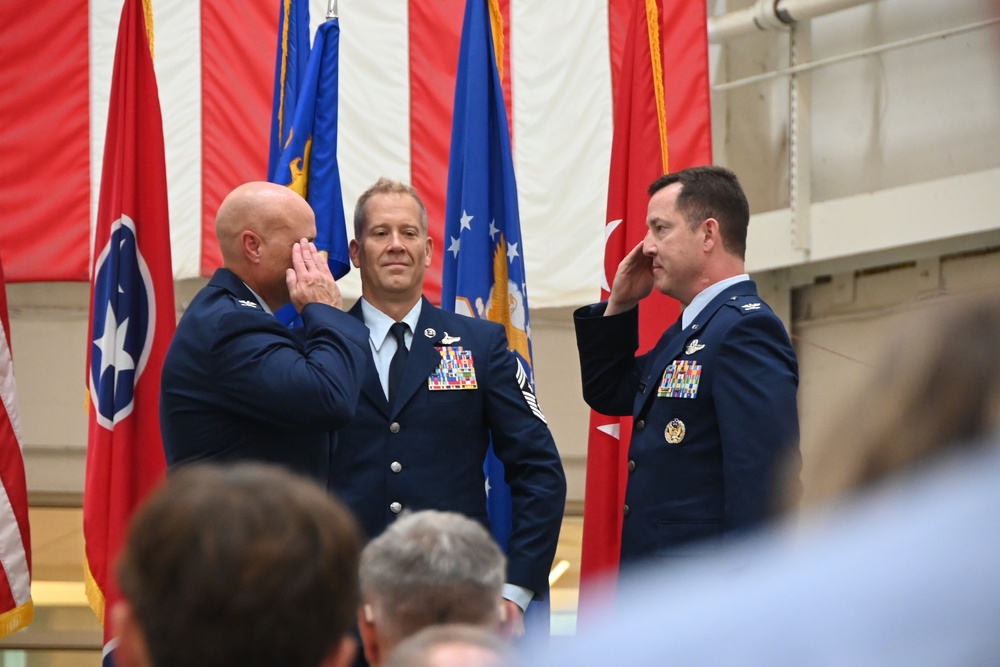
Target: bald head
257, 224
260, 207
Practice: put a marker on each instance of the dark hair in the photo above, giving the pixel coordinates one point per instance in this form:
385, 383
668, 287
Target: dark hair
712, 192
385, 186
242, 565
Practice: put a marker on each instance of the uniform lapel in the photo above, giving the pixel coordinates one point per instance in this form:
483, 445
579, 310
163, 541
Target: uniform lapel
424, 356
670, 345
370, 385
673, 346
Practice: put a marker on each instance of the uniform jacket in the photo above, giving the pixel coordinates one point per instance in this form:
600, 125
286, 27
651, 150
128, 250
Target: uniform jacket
427, 450
704, 459
238, 385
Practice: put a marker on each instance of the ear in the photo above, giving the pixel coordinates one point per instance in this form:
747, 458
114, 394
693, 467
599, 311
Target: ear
369, 635
341, 655
250, 243
429, 252
355, 249
132, 650
713, 236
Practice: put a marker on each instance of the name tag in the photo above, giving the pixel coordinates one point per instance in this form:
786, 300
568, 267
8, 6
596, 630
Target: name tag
680, 379
456, 370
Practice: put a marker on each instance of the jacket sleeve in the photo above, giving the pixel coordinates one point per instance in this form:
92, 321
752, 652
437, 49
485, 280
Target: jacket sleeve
609, 368
266, 371
532, 468
755, 400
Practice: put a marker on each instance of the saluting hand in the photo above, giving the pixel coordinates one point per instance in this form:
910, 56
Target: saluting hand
633, 282
309, 280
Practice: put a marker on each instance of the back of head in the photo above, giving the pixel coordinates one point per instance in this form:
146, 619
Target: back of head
452, 645
241, 565
936, 388
712, 192
430, 568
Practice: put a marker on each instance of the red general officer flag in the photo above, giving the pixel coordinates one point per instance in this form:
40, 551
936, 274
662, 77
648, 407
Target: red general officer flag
131, 310
16, 608
662, 123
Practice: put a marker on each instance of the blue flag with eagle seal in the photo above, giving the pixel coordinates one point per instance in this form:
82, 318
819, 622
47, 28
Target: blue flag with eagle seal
483, 272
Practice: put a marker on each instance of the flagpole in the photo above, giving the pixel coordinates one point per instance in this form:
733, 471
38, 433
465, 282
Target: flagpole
331, 10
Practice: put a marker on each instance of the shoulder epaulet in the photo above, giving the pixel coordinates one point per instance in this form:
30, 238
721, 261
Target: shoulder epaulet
247, 303
747, 303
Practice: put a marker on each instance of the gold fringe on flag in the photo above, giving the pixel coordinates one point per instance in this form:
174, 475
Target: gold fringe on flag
653, 25
147, 10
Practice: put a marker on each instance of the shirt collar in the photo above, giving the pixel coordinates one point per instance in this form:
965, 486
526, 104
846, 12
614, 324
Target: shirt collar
378, 323
705, 297
263, 304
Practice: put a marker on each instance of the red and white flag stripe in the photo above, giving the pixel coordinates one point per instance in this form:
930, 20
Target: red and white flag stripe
214, 65
16, 608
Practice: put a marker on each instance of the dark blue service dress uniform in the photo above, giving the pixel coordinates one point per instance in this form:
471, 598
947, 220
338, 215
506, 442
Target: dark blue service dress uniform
426, 451
715, 418
239, 385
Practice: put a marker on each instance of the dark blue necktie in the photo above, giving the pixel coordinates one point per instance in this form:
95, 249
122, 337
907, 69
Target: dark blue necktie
398, 363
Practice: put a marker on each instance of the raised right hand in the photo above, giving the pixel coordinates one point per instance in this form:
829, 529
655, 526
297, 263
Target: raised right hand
633, 282
309, 280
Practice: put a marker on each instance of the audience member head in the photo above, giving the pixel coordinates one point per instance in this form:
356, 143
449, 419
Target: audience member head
937, 387
257, 225
391, 246
244, 565
427, 568
452, 645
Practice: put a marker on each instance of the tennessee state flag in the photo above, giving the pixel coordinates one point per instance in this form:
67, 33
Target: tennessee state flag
131, 311
662, 123
16, 607
308, 163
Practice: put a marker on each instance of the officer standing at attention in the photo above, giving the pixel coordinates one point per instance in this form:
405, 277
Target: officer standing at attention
714, 402
437, 388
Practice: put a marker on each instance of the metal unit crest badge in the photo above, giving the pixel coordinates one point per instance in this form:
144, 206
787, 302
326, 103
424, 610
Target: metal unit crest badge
675, 431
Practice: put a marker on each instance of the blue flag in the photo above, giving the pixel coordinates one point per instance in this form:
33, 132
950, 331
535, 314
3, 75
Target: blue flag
483, 256
289, 71
308, 164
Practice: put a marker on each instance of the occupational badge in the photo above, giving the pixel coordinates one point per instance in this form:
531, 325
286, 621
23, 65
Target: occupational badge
456, 371
675, 431
680, 379
448, 339
693, 347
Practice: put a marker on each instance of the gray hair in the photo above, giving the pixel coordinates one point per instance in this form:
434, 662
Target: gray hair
430, 568
419, 649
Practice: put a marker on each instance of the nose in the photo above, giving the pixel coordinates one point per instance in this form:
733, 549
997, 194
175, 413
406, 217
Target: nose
395, 241
648, 244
